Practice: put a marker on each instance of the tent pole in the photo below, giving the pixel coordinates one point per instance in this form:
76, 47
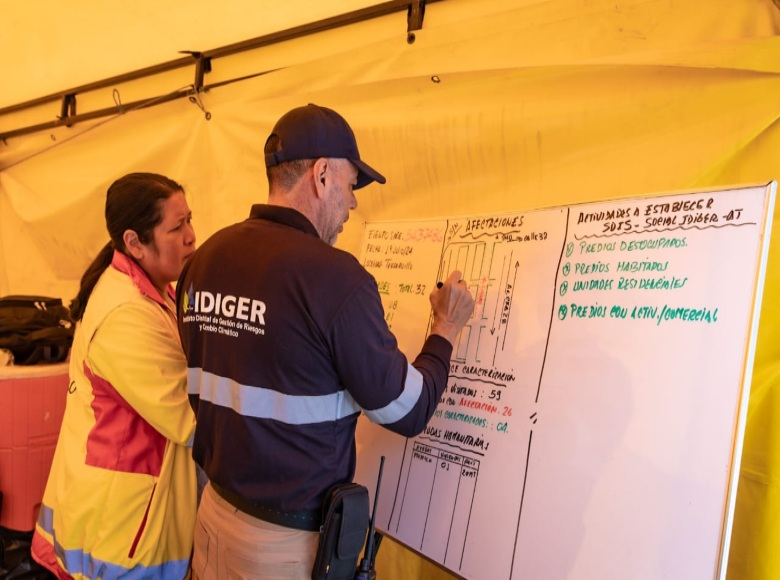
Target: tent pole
203, 61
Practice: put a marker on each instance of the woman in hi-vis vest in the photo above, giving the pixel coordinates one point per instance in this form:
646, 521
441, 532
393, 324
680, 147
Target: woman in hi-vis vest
121, 495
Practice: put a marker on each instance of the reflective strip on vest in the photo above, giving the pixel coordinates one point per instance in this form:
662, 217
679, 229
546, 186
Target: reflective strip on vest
264, 403
81, 564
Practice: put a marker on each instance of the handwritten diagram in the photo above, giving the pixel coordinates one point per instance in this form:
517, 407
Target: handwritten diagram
489, 284
489, 403
451, 478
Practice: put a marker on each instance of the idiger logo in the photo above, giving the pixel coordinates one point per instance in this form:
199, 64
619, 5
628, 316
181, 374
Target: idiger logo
223, 313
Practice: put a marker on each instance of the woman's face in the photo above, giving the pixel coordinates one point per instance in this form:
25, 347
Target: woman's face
173, 242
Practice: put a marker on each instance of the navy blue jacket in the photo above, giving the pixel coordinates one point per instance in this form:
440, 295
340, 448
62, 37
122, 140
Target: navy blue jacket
286, 344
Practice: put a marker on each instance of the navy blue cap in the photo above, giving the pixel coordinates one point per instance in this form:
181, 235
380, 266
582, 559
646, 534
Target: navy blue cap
312, 132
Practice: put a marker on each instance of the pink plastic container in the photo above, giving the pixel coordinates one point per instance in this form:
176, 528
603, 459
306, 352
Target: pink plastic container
32, 403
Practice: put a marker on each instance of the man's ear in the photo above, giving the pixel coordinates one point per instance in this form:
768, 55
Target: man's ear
133, 244
320, 174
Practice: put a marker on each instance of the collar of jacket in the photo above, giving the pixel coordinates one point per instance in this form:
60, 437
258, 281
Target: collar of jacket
140, 280
285, 216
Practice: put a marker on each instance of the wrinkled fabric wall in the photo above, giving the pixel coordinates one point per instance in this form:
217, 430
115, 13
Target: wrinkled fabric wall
496, 106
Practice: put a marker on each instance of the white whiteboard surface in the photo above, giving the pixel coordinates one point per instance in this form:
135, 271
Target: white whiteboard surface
593, 418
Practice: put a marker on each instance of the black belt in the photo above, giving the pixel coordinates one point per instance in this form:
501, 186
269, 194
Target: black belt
308, 520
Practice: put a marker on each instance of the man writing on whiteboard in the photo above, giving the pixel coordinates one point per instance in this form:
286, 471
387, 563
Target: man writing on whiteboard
286, 345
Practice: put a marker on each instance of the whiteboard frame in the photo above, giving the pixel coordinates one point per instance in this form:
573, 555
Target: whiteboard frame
747, 377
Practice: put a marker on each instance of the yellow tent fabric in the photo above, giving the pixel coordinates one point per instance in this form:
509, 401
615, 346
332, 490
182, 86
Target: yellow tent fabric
496, 106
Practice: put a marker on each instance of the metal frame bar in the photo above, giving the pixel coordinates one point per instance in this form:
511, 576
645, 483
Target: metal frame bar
203, 61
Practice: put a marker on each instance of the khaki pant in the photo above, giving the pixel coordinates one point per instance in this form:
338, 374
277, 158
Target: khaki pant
231, 544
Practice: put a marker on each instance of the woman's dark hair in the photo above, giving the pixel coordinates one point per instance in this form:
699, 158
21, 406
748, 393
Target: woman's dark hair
133, 202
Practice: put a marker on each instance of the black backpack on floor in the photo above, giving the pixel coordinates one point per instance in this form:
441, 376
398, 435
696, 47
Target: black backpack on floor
36, 329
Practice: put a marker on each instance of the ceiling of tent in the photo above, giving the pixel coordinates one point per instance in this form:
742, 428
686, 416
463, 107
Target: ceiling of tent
50, 46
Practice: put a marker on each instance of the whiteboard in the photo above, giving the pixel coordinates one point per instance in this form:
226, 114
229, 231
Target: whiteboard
592, 422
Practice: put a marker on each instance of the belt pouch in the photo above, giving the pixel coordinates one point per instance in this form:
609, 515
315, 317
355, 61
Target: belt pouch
342, 535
